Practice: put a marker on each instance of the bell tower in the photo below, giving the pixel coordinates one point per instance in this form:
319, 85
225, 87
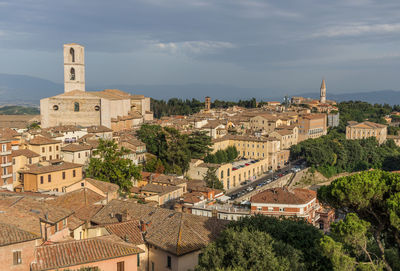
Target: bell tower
323, 92
74, 67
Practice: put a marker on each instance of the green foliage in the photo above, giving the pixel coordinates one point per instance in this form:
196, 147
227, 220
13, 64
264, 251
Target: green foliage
222, 156
19, 110
374, 197
361, 111
109, 165
173, 149
212, 180
334, 251
245, 250
33, 126
332, 154
176, 106
154, 165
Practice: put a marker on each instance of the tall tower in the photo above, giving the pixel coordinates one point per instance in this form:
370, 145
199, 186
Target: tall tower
207, 103
323, 92
74, 67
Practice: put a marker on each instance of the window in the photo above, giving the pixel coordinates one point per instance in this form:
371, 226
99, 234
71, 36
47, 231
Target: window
97, 108
43, 149
55, 107
4, 148
63, 175
5, 171
228, 173
86, 154
259, 208
72, 74
17, 257
64, 222
51, 157
56, 147
30, 161
281, 209
14, 161
152, 266
169, 264
76, 107
79, 155
222, 174
138, 259
50, 148
72, 53
74, 173
41, 179
49, 178
120, 266
57, 156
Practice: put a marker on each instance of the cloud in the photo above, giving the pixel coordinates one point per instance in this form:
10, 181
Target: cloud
358, 30
193, 47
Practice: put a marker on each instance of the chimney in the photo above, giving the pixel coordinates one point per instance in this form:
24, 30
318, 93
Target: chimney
112, 214
143, 226
125, 216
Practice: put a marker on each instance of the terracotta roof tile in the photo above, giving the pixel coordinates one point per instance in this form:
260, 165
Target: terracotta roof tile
284, 196
9, 234
40, 169
76, 147
40, 140
128, 231
103, 186
24, 152
65, 254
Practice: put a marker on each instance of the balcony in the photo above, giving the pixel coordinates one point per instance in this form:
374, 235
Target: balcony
5, 152
6, 176
6, 164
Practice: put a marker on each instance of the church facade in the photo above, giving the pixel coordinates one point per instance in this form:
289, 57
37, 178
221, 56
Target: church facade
111, 108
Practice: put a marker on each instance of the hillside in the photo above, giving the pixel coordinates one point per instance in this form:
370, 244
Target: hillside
19, 110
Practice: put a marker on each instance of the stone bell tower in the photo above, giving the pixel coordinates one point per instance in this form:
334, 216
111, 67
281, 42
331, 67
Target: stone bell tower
323, 92
74, 67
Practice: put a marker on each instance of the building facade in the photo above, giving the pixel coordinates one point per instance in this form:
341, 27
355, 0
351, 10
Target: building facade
366, 129
312, 126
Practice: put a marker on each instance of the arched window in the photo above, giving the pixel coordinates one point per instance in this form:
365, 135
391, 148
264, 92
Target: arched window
76, 107
72, 52
72, 77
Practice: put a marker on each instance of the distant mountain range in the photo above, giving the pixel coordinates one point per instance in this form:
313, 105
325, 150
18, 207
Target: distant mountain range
28, 90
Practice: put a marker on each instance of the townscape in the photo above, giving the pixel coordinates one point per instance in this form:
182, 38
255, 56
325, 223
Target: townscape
96, 182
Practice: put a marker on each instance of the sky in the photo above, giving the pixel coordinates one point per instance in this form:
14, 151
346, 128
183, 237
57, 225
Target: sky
273, 45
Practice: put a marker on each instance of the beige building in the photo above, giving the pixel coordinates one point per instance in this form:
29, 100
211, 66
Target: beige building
312, 126
110, 107
265, 122
50, 177
77, 153
47, 148
251, 147
355, 130
230, 174
20, 159
287, 137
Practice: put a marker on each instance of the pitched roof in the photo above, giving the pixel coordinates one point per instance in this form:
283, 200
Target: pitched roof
103, 186
76, 147
40, 140
178, 233
366, 124
9, 234
24, 152
82, 202
128, 231
160, 189
283, 196
77, 252
98, 129
40, 169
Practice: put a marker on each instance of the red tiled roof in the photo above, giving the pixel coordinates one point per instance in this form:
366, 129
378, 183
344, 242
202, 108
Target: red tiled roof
79, 252
128, 231
24, 152
284, 196
40, 140
9, 234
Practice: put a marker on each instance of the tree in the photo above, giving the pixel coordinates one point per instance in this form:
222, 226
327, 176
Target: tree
212, 180
244, 250
199, 144
333, 250
109, 165
374, 197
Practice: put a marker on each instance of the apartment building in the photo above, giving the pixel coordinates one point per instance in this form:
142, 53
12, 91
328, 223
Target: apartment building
47, 176
287, 137
5, 160
77, 153
289, 203
20, 159
48, 149
265, 122
230, 174
355, 130
312, 126
252, 147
